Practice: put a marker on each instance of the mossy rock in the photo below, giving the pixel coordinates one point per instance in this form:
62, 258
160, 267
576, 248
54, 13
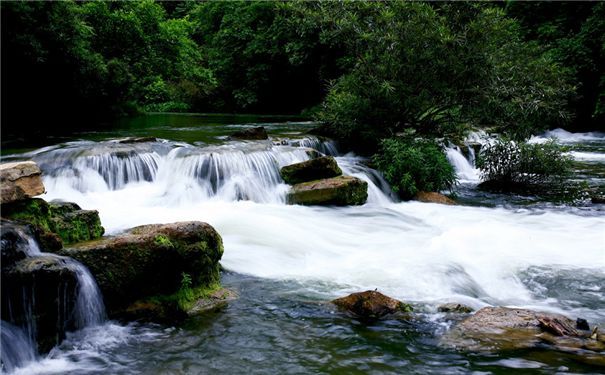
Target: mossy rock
310, 170
151, 260
55, 223
371, 305
337, 191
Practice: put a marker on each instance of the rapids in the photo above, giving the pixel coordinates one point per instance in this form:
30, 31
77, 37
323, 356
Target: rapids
514, 255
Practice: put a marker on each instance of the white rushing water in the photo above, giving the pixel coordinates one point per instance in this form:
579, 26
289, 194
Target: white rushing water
413, 251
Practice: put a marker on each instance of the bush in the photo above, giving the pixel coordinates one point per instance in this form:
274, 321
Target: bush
512, 166
411, 166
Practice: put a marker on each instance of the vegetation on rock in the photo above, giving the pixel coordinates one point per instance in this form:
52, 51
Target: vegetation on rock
66, 220
520, 166
411, 166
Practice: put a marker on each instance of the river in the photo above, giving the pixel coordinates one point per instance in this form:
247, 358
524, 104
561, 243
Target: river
285, 261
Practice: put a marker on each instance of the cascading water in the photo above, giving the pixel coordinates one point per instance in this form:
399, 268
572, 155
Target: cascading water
19, 342
285, 256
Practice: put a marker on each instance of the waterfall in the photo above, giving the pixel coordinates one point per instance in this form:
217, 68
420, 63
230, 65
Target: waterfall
180, 174
465, 168
16, 348
19, 344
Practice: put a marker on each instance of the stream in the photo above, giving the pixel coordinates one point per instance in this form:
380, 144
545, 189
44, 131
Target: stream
286, 261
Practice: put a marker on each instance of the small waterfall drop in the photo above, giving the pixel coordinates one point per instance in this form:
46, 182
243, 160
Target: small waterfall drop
465, 168
77, 309
16, 348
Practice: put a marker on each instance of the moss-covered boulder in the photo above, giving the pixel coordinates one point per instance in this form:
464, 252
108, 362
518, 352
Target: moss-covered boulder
337, 191
157, 260
314, 169
20, 180
371, 305
55, 223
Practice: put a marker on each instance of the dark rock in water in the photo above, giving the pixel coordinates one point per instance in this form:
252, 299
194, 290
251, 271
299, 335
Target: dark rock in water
55, 220
371, 305
13, 242
130, 140
152, 260
258, 133
20, 180
455, 308
43, 290
501, 328
598, 199
338, 191
582, 324
314, 169
432, 197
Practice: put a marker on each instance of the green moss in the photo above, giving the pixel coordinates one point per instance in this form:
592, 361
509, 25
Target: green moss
66, 220
405, 307
163, 241
186, 297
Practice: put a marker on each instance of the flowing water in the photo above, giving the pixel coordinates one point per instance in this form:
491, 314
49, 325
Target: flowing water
285, 261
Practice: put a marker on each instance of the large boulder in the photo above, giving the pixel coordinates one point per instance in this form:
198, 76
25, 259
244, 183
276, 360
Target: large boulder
152, 260
314, 169
20, 180
337, 191
257, 133
39, 293
370, 305
55, 223
501, 328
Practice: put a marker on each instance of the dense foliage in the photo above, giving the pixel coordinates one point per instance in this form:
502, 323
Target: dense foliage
513, 166
412, 165
379, 68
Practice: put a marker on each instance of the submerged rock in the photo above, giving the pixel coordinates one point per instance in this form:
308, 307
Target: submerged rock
338, 191
432, 197
457, 308
314, 169
371, 305
152, 260
20, 180
55, 223
257, 133
501, 328
129, 140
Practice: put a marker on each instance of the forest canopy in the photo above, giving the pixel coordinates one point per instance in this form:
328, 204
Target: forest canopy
367, 70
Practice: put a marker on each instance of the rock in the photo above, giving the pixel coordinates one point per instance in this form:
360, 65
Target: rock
455, 308
55, 223
258, 133
13, 242
432, 197
314, 169
338, 191
213, 301
130, 140
20, 180
501, 328
598, 199
151, 260
43, 290
371, 305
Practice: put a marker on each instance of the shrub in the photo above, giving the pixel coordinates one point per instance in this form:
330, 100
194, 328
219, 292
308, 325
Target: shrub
411, 166
512, 166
